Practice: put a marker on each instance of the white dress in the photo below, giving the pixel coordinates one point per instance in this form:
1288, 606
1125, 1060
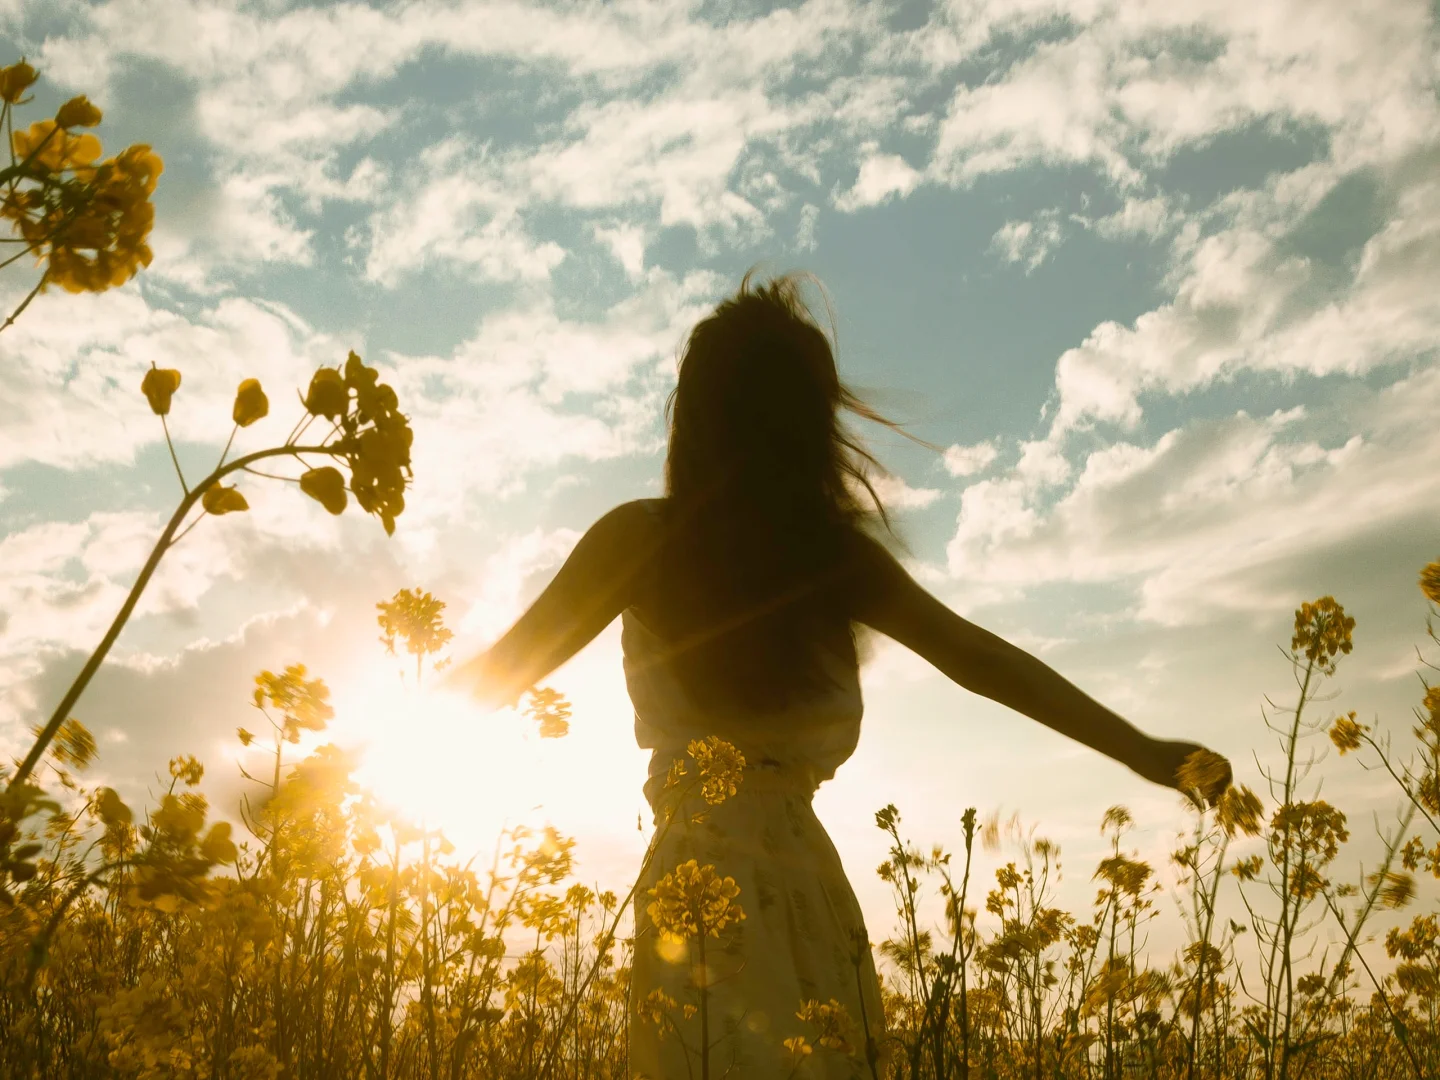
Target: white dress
802, 937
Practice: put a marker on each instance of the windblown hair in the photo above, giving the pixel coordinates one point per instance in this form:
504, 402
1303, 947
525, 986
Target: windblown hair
769, 500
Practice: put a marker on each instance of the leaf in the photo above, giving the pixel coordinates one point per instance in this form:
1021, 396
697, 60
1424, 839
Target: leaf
158, 386
326, 486
251, 404
219, 499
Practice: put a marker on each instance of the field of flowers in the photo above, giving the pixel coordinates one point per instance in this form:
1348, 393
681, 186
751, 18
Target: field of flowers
335, 939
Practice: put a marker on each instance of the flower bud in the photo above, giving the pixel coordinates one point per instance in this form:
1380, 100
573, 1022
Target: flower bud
77, 112
250, 403
158, 386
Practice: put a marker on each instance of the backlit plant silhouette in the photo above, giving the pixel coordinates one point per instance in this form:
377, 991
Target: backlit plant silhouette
367, 435
339, 940
86, 218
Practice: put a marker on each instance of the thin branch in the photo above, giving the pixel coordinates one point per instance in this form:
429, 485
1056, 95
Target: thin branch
183, 486
24, 303
62, 711
225, 453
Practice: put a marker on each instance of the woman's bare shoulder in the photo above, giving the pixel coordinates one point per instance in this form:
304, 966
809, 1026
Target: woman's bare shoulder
630, 530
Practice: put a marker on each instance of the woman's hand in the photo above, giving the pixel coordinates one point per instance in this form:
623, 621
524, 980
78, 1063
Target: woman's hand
1186, 767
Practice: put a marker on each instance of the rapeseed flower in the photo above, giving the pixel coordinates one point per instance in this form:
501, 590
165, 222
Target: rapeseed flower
694, 901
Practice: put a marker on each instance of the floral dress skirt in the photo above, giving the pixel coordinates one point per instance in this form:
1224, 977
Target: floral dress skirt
755, 953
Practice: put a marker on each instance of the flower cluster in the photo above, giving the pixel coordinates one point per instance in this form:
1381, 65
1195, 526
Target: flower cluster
1205, 775
1430, 582
375, 441
90, 219
835, 1029
303, 704
1321, 630
1346, 734
721, 766
694, 901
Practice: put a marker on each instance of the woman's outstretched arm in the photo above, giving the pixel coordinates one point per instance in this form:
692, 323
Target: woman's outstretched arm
594, 585
893, 603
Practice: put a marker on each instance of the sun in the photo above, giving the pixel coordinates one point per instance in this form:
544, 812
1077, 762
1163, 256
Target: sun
440, 760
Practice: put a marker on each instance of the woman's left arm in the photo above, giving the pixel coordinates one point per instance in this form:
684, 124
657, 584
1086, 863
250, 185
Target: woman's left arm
596, 583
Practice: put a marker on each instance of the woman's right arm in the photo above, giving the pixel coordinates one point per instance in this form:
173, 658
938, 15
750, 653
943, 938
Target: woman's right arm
892, 602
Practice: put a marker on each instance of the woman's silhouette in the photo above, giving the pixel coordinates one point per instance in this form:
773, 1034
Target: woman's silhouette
741, 593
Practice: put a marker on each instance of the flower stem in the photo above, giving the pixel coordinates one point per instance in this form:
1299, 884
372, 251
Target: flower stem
62, 711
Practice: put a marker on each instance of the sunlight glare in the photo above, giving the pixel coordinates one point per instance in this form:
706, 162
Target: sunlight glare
441, 760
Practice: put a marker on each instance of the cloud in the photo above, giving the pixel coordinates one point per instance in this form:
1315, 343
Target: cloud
969, 460
1029, 242
1146, 219
453, 209
1186, 523
72, 396
1249, 297
882, 177
895, 492
1126, 85
805, 232
627, 243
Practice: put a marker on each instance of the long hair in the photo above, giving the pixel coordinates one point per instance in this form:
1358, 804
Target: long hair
769, 497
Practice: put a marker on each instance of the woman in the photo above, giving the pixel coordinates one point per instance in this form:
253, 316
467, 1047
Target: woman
740, 594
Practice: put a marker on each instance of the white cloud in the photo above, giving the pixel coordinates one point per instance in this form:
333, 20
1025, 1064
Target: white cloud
73, 397
805, 231
881, 177
453, 208
1190, 521
1029, 242
1137, 218
1245, 302
969, 460
1134, 81
895, 492
627, 243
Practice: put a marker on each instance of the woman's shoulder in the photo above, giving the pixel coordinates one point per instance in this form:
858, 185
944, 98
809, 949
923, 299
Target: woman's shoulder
630, 530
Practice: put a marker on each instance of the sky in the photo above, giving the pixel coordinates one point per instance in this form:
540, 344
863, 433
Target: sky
1161, 281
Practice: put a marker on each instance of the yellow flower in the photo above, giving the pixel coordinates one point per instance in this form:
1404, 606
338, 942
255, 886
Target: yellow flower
77, 112
547, 707
1346, 734
251, 404
1248, 869
1239, 810
656, 1005
327, 395
1430, 582
219, 499
796, 1050
158, 386
111, 809
15, 80
693, 900
49, 148
114, 221
187, 769
832, 1021
326, 486
721, 765
217, 846
246, 737
1206, 773
1321, 630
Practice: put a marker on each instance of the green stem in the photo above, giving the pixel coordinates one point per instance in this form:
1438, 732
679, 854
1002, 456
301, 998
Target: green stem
62, 711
